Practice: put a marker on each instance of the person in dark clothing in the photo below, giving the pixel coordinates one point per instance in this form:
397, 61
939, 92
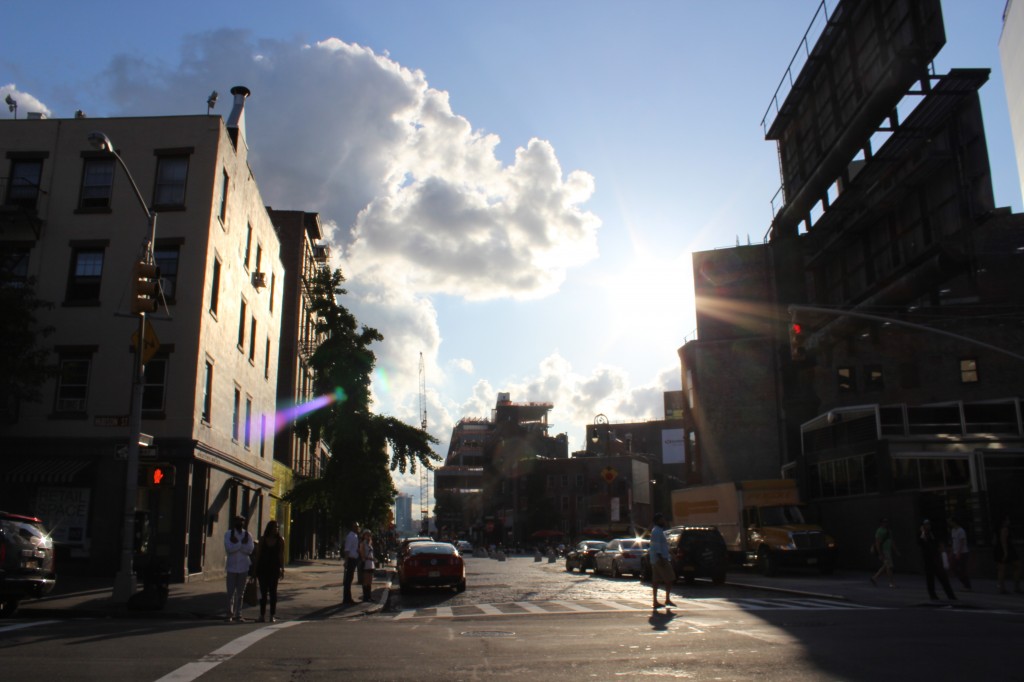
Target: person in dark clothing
269, 568
932, 561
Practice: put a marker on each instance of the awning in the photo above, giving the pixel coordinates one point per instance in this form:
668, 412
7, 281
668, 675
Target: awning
45, 471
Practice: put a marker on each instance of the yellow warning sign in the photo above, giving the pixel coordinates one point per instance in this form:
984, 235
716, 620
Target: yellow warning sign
150, 343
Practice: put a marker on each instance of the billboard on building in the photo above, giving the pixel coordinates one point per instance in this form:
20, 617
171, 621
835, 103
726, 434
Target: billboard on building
673, 450
673, 404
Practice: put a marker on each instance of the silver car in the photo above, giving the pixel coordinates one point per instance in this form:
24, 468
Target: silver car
621, 556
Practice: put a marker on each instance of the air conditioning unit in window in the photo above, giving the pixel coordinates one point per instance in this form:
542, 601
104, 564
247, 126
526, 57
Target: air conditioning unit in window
259, 280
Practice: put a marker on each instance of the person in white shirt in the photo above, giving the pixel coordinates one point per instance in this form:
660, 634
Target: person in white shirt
238, 544
351, 553
958, 553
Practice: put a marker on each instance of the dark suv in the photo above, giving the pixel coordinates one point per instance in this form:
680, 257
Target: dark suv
696, 552
26, 561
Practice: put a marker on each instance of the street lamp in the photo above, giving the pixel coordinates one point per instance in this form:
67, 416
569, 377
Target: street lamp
124, 583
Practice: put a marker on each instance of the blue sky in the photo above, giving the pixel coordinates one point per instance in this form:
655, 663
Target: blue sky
513, 189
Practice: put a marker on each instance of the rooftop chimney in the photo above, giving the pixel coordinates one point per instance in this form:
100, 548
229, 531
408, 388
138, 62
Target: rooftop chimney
236, 120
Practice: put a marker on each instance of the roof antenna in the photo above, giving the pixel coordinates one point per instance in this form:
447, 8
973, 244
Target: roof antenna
211, 102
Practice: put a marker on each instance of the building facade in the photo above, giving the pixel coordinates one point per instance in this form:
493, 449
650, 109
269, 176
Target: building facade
885, 361
72, 223
303, 257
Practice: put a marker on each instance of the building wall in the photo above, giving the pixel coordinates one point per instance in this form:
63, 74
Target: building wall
219, 474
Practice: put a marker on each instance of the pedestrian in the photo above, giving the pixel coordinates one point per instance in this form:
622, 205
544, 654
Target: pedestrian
238, 544
350, 551
662, 572
883, 548
932, 561
1006, 557
269, 568
366, 564
959, 553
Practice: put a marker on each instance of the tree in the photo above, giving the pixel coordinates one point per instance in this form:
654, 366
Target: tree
356, 484
24, 365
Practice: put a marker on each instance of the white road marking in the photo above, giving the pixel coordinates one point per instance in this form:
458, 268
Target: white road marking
683, 606
191, 671
22, 626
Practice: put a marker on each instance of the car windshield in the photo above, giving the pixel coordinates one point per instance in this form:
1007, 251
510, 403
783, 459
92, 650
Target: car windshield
633, 544
24, 532
431, 548
592, 545
780, 516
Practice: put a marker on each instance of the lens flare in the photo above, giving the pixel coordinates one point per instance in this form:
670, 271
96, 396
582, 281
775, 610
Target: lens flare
283, 417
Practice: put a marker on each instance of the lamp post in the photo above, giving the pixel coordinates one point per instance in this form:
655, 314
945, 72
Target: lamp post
124, 583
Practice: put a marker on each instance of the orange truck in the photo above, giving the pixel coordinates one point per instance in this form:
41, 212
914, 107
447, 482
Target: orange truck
762, 523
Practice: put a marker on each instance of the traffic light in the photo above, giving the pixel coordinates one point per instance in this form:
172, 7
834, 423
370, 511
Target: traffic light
156, 476
145, 287
797, 350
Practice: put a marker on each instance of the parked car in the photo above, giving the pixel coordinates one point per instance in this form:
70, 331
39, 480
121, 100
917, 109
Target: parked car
696, 552
431, 564
403, 547
581, 557
621, 556
26, 561
464, 546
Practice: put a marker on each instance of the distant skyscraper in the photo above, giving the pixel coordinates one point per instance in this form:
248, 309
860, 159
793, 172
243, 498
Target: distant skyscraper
403, 513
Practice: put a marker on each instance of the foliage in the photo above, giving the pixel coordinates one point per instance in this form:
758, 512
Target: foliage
356, 484
24, 365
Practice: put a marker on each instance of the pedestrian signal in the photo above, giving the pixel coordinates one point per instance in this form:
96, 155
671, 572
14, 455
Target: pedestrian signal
797, 340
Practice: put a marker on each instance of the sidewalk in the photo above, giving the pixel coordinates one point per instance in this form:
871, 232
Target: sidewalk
855, 586
310, 589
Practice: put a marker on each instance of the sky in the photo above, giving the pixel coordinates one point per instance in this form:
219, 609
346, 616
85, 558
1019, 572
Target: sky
512, 189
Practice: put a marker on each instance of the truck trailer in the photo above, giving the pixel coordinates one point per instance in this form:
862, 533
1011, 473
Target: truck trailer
762, 523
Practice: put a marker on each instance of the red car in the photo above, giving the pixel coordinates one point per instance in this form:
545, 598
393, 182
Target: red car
431, 564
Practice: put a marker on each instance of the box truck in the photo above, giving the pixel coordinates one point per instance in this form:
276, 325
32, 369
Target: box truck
761, 521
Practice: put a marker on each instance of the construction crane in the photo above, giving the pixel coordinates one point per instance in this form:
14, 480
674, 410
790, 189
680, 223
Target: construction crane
424, 480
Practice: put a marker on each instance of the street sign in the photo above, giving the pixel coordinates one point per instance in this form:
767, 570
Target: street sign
609, 474
150, 343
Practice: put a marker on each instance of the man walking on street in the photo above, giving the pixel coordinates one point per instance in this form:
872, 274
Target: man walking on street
350, 551
662, 572
932, 562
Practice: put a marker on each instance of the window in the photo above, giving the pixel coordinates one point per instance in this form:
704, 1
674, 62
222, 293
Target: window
235, 415
263, 435
873, 378
14, 263
73, 382
248, 421
215, 286
86, 270
248, 245
97, 181
844, 379
579, 480
968, 371
207, 392
252, 341
266, 361
171, 173
259, 256
154, 385
273, 285
23, 185
224, 197
167, 261
241, 327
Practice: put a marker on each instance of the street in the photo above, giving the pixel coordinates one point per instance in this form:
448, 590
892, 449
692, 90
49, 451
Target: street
525, 619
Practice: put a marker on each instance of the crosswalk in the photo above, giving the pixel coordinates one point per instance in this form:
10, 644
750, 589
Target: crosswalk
683, 606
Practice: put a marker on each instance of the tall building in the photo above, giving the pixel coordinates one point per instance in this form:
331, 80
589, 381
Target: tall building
404, 523
880, 365
1011, 58
71, 221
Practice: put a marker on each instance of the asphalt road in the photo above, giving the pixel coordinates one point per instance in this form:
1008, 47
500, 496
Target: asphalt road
523, 620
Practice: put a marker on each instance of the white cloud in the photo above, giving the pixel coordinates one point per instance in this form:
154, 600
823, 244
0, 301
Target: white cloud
26, 103
464, 365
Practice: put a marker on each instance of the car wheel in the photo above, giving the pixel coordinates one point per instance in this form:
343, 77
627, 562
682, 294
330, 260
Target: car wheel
404, 588
616, 571
8, 607
461, 587
767, 563
568, 567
